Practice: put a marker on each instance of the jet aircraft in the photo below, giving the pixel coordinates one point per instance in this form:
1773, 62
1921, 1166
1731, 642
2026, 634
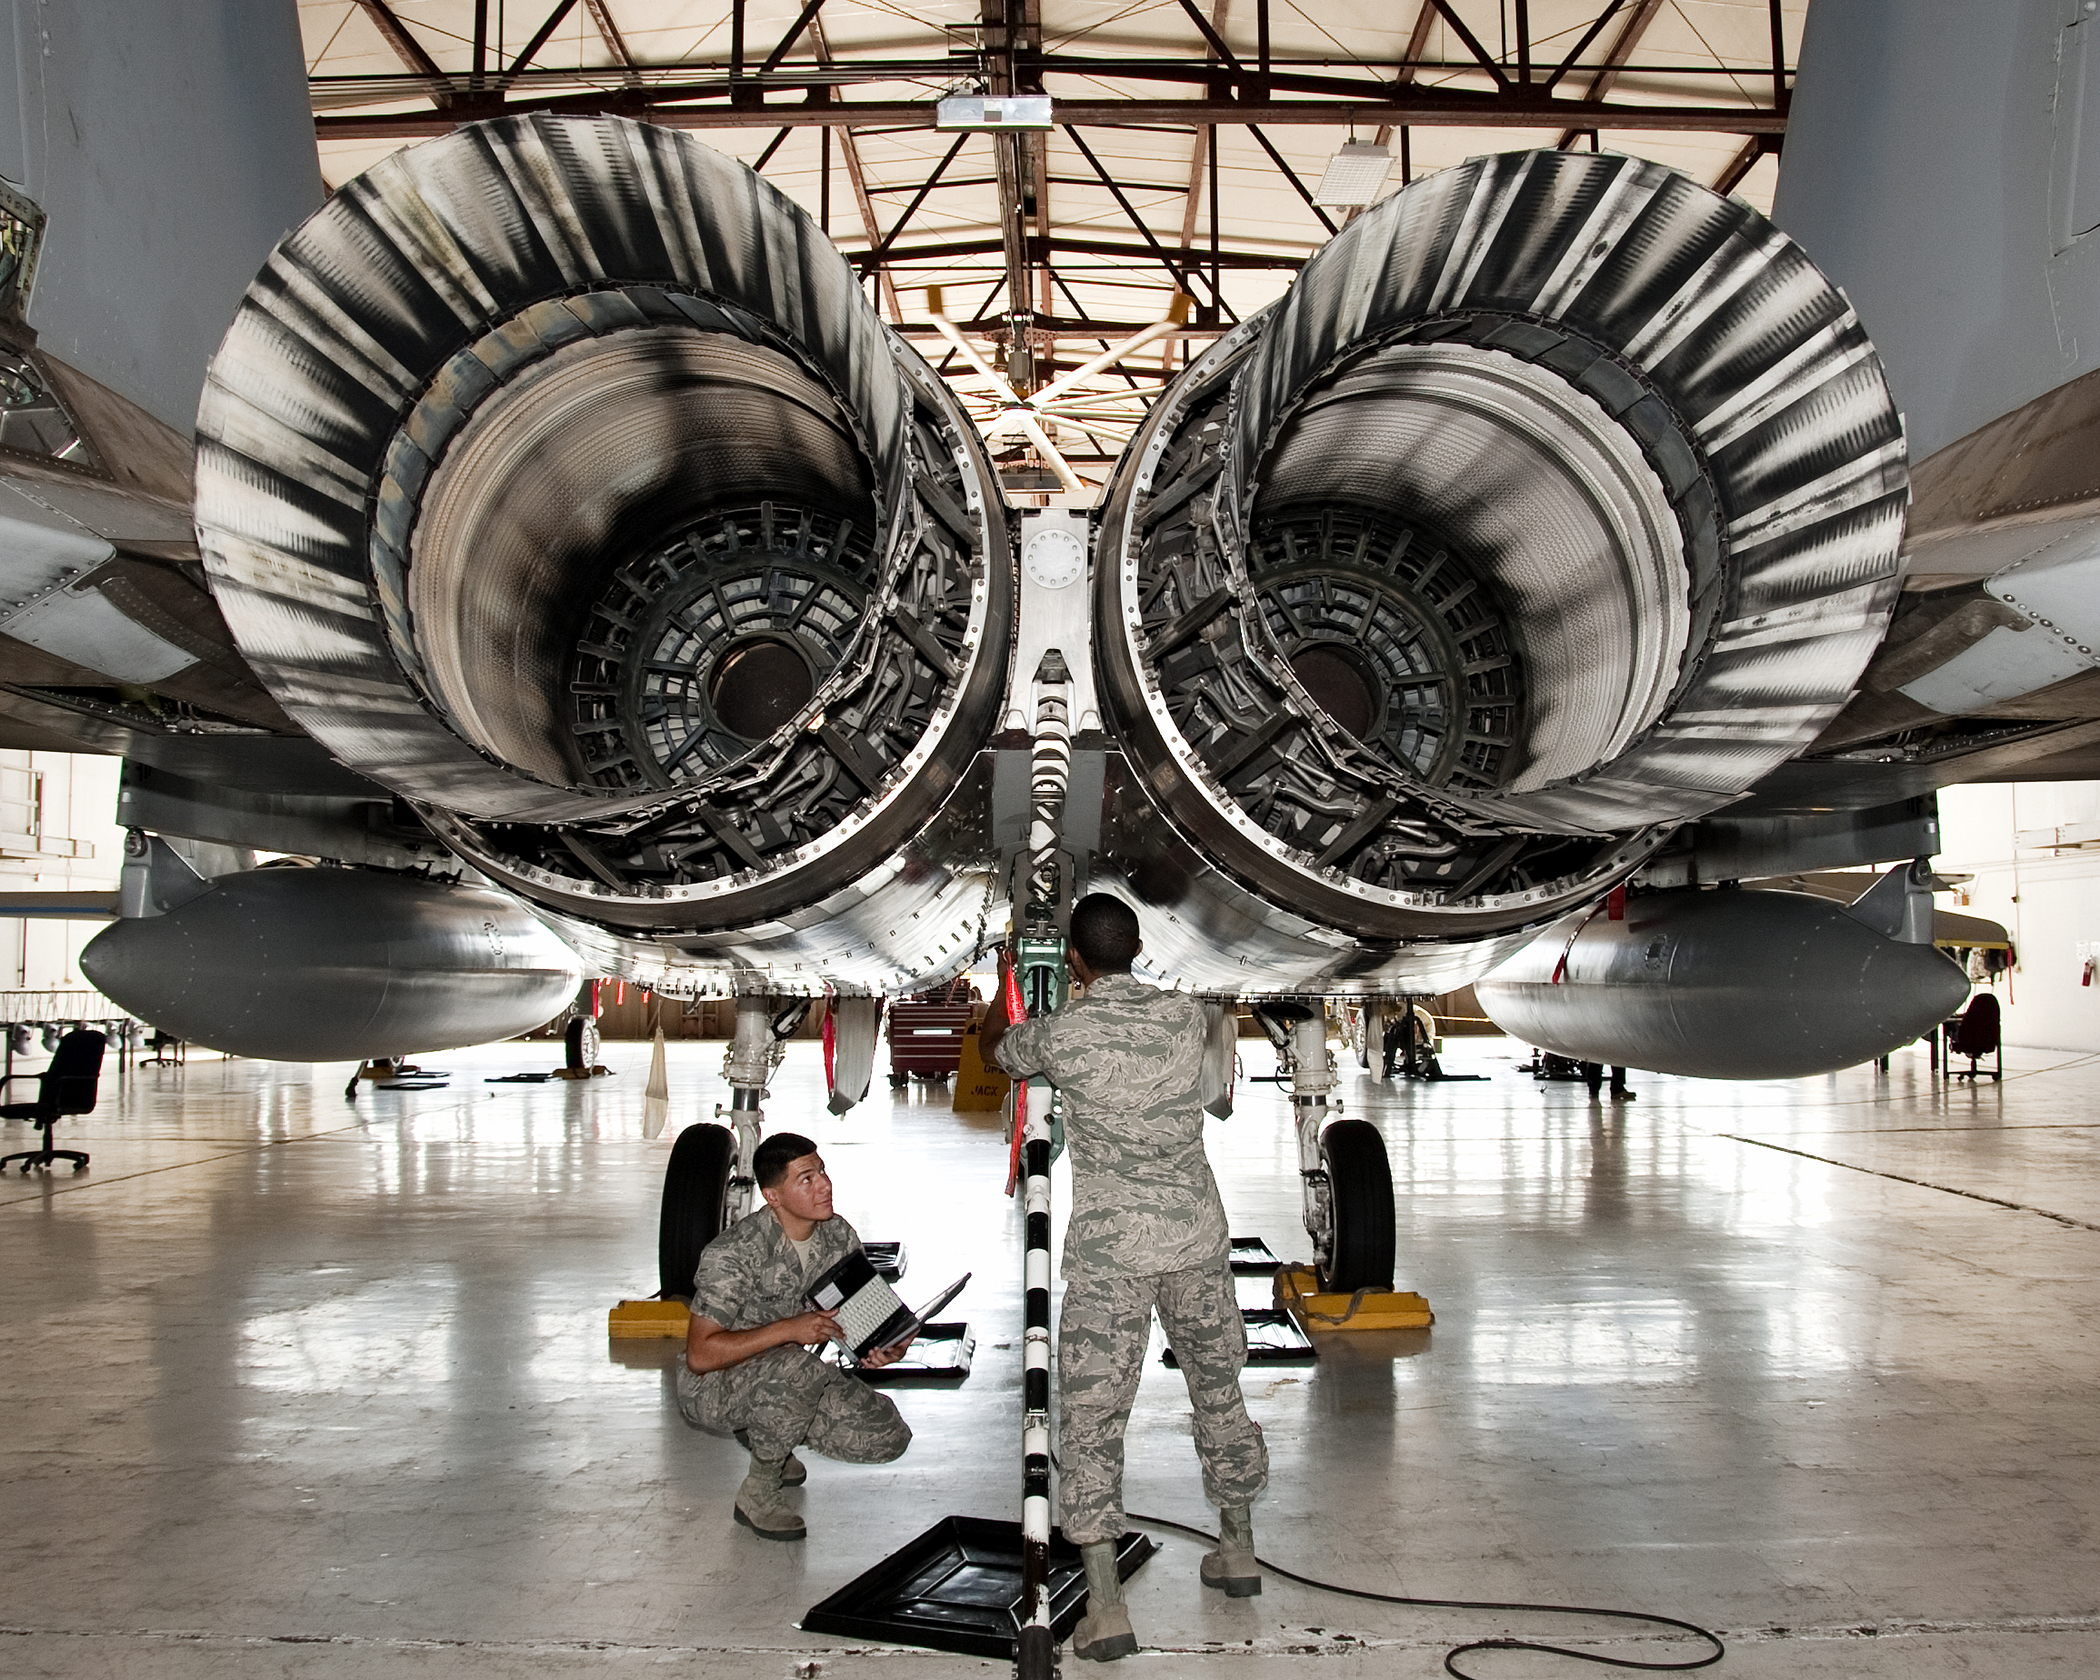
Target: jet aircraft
572, 560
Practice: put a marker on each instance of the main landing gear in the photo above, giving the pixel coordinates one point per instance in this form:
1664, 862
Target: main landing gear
709, 1183
1348, 1180
1398, 1037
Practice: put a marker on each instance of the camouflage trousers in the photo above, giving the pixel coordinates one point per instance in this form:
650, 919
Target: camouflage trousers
1101, 1341
787, 1398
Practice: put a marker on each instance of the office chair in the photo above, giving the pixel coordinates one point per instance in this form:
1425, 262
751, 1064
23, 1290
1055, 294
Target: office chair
1975, 1035
67, 1086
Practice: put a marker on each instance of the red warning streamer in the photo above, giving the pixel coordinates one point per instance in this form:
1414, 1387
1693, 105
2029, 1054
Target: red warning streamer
1016, 1012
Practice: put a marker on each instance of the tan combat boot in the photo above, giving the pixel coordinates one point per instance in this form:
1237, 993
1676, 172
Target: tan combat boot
793, 1472
760, 1508
1233, 1565
1103, 1633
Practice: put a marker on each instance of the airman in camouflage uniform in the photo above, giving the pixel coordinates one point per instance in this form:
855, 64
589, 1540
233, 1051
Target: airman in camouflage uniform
1147, 1234
772, 1394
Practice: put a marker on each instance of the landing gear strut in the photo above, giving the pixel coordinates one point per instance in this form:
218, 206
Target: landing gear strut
711, 1181
1348, 1181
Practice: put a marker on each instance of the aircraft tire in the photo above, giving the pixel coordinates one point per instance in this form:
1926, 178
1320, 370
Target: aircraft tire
696, 1185
1360, 1180
580, 1044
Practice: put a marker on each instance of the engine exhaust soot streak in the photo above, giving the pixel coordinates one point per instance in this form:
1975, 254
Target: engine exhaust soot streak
669, 585
1558, 502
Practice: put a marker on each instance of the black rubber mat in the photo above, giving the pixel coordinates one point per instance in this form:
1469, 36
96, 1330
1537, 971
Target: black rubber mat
1273, 1338
957, 1587
1251, 1254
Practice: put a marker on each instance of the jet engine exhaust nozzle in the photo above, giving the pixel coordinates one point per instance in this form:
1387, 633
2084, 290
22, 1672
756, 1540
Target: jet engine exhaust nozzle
1558, 502
557, 475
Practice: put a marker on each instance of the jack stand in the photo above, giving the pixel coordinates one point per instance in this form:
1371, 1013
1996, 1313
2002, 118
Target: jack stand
392, 1073
1408, 1045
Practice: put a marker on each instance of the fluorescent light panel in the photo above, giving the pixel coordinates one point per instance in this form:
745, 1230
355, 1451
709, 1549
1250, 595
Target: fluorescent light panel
1355, 176
1015, 111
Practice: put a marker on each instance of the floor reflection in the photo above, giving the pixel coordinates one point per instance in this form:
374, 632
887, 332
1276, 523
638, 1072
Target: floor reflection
282, 1364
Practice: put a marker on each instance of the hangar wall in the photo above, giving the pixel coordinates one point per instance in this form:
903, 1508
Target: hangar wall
2047, 895
56, 835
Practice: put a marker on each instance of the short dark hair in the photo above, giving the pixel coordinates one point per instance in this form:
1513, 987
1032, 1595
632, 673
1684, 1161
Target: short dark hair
1105, 932
772, 1158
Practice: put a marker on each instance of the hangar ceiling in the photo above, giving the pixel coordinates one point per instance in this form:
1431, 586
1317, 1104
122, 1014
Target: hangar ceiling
1189, 142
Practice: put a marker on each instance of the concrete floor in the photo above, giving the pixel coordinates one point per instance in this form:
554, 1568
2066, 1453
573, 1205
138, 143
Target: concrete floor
291, 1387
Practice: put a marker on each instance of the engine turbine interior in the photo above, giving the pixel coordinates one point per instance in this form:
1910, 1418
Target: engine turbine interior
1558, 501
557, 475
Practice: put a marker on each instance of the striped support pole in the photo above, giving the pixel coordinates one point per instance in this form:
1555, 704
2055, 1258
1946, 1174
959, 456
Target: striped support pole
1035, 1650
1048, 887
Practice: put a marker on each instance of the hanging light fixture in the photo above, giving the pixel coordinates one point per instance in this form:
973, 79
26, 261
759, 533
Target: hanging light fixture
1012, 113
1355, 176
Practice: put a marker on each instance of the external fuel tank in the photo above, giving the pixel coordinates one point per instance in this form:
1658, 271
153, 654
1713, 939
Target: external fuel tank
311, 965
1727, 984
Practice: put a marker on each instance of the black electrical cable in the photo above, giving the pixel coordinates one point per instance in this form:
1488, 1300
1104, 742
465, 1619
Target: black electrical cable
1451, 1656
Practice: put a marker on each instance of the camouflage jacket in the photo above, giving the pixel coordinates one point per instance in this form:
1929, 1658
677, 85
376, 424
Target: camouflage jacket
1127, 1058
751, 1275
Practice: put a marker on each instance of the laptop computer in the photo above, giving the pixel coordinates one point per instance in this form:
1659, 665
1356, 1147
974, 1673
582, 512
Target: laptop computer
871, 1314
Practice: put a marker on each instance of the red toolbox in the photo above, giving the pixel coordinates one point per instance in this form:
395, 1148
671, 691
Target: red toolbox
926, 1033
